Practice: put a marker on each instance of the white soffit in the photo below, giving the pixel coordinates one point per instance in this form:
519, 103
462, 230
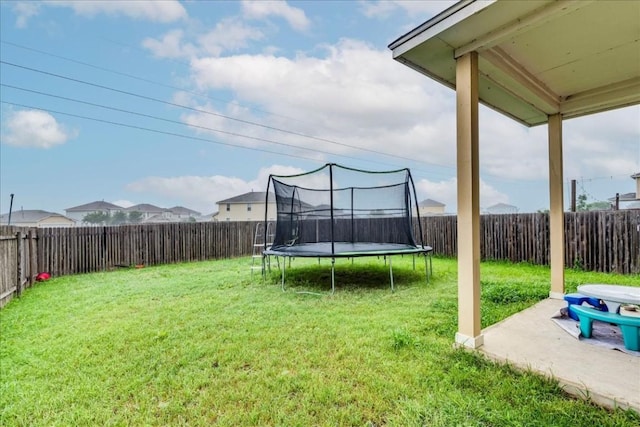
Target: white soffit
536, 58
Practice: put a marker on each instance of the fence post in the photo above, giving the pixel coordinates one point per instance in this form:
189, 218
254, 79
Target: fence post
31, 257
18, 263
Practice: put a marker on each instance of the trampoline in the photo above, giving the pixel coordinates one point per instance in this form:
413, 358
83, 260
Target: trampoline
341, 212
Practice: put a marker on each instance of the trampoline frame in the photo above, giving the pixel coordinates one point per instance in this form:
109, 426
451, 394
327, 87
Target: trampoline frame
408, 250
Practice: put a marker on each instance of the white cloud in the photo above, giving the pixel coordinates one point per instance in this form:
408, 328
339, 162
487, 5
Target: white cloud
170, 45
509, 150
446, 192
353, 95
157, 11
294, 16
33, 128
24, 11
606, 144
229, 35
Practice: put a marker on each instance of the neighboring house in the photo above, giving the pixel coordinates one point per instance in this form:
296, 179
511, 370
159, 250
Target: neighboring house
629, 200
153, 214
36, 218
148, 211
501, 208
180, 213
246, 207
430, 207
79, 212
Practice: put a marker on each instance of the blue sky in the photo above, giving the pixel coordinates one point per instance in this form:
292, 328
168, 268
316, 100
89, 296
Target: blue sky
188, 103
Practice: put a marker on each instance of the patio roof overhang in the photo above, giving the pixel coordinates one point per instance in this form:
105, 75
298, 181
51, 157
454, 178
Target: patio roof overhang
535, 58
536, 61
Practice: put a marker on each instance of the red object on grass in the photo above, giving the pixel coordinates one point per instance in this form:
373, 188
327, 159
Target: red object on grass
41, 277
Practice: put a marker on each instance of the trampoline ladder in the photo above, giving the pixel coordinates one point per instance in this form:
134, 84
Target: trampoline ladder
259, 246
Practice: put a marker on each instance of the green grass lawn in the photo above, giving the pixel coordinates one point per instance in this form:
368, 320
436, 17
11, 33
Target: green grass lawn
208, 344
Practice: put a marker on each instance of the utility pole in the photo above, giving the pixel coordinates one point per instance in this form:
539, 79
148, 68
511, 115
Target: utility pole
10, 209
573, 195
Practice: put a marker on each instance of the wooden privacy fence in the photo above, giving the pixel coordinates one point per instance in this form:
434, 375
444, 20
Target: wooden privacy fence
595, 241
65, 251
18, 262
605, 241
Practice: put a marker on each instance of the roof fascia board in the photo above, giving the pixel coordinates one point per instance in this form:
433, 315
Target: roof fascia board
447, 19
426, 72
536, 18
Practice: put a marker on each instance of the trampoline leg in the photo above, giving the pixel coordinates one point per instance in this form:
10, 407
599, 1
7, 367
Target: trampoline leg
284, 266
428, 268
414, 262
391, 273
333, 275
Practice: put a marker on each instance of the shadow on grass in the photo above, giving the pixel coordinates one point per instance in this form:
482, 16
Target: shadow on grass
348, 277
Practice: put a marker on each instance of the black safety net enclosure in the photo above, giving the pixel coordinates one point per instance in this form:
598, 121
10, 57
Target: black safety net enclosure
337, 211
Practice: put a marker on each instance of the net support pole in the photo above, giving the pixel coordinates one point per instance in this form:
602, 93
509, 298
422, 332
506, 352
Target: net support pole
333, 275
427, 267
333, 249
284, 267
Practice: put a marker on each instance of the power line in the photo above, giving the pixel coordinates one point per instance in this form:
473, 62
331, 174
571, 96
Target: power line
148, 98
142, 79
602, 178
179, 135
93, 104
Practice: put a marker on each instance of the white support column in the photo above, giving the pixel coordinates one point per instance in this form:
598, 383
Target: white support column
556, 210
469, 327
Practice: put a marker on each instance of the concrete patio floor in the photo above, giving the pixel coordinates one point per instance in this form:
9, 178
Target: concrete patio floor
531, 340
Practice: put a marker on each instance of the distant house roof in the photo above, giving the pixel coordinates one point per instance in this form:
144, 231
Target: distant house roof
157, 218
429, 203
502, 208
626, 197
95, 206
181, 210
250, 197
30, 216
144, 208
